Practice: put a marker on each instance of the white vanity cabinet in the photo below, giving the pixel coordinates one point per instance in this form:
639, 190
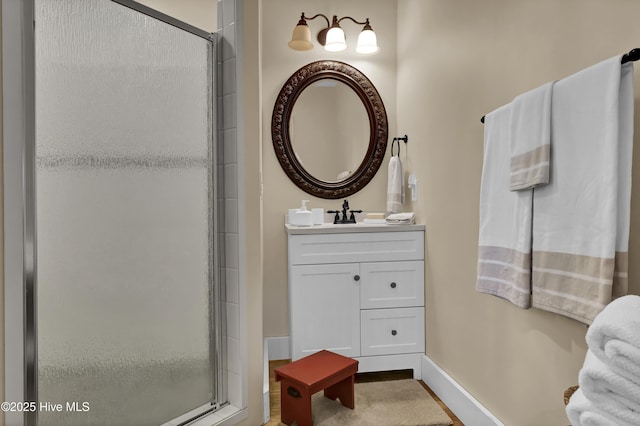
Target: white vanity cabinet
358, 290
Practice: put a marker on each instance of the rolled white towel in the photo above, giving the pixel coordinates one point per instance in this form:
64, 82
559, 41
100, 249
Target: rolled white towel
407, 218
581, 412
610, 392
614, 336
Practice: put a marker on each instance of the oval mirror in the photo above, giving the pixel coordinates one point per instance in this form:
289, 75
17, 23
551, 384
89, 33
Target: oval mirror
329, 129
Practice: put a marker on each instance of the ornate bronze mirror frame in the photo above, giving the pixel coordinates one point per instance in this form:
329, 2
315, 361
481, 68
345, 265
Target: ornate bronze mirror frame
280, 128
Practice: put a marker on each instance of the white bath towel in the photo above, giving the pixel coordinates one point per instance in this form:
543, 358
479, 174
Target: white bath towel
531, 138
582, 412
581, 219
610, 392
614, 336
504, 252
395, 186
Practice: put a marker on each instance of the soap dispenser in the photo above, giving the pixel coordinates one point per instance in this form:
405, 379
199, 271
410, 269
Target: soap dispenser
303, 216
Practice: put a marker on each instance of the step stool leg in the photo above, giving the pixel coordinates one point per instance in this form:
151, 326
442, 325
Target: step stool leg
342, 390
295, 404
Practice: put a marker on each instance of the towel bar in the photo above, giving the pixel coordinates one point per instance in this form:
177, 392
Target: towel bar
632, 56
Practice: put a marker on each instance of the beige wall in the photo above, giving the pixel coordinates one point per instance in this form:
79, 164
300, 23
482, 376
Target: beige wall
458, 60
279, 17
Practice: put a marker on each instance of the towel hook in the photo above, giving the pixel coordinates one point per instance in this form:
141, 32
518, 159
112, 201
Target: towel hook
404, 138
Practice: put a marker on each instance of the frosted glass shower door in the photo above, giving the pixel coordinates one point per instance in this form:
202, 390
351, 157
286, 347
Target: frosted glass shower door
124, 198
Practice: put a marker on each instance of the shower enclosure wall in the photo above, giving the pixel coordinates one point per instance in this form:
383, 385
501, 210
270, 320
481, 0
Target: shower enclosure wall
123, 308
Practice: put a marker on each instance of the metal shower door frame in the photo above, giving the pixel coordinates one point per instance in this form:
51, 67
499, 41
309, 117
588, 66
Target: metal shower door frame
20, 280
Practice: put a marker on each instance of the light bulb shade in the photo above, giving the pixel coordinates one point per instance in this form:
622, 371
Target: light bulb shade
367, 42
301, 38
335, 40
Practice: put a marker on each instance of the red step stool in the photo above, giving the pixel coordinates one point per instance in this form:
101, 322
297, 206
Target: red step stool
302, 378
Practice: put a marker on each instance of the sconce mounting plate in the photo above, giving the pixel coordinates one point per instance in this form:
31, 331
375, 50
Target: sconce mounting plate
322, 36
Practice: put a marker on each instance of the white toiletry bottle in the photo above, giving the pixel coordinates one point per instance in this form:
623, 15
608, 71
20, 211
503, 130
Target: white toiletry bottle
303, 216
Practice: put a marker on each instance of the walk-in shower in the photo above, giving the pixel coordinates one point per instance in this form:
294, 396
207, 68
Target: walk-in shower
123, 309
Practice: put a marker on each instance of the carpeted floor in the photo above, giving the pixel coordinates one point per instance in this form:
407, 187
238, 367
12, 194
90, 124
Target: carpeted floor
394, 402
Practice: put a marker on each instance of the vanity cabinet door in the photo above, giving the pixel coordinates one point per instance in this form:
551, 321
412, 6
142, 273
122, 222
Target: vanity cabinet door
324, 304
392, 284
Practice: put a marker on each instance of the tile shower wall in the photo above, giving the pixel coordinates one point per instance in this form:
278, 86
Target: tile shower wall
228, 191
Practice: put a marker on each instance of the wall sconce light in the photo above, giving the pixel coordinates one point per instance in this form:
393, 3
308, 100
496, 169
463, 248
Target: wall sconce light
332, 37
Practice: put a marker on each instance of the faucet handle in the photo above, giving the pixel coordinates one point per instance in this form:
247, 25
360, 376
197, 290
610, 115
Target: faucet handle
352, 217
336, 218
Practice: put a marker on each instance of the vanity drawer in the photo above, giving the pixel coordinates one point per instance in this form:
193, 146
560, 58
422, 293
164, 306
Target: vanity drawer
356, 247
392, 284
391, 331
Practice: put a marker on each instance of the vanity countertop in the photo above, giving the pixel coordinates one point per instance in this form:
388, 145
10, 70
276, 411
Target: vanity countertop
330, 228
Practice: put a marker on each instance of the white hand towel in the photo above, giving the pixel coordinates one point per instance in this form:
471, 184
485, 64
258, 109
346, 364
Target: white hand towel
504, 252
401, 218
614, 336
395, 186
610, 392
531, 138
581, 220
582, 412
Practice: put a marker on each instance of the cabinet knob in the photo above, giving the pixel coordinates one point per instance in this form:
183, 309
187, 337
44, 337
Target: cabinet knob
394, 332
356, 277
393, 285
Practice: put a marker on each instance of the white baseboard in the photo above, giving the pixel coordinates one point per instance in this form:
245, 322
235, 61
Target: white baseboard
278, 348
461, 402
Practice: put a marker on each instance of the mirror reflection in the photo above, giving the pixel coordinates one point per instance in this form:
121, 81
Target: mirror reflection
329, 130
